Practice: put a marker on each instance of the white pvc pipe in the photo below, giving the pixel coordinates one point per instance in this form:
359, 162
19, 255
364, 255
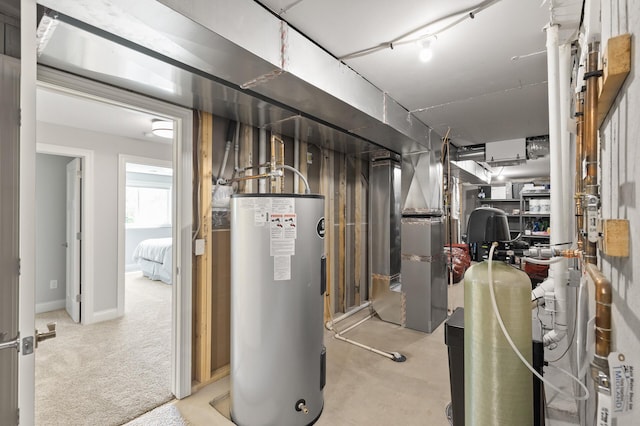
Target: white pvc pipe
352, 326
346, 315
296, 158
558, 225
262, 159
564, 74
544, 287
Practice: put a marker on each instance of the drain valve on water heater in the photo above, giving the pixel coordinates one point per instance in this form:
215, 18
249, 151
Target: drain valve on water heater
301, 405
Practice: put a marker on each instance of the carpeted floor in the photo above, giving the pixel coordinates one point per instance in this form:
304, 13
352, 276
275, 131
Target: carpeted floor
111, 372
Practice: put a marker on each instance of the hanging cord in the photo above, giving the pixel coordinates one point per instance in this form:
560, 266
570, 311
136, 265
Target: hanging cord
494, 304
393, 356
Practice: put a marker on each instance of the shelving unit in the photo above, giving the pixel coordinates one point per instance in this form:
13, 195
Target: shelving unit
531, 214
522, 217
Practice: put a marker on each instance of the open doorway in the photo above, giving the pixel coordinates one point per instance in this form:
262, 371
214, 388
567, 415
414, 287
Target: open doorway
129, 354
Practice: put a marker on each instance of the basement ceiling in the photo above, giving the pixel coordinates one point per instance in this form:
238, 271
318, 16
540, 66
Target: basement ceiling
485, 82
487, 79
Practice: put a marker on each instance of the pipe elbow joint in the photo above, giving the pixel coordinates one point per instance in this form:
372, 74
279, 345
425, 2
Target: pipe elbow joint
553, 336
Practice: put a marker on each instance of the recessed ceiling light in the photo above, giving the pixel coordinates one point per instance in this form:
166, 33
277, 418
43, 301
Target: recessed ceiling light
162, 128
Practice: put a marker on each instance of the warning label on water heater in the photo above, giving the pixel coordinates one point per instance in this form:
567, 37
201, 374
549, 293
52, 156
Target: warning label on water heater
283, 231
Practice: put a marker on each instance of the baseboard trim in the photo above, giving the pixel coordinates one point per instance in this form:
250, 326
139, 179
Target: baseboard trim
106, 315
50, 306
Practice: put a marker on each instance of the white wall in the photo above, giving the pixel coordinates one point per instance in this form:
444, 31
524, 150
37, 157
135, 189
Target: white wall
106, 150
619, 172
51, 190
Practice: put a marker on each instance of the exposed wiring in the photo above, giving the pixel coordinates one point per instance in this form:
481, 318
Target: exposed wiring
494, 304
410, 37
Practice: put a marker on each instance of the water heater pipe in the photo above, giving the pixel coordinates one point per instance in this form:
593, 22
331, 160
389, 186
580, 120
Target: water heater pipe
296, 156
262, 159
558, 212
591, 138
579, 154
329, 324
307, 189
603, 317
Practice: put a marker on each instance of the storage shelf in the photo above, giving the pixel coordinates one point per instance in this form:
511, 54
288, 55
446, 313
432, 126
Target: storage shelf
499, 200
535, 214
545, 194
537, 236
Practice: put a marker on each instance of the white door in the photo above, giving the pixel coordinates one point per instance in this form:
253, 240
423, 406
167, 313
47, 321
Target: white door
74, 237
9, 240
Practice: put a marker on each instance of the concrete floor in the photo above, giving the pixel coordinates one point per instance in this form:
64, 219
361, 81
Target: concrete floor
362, 388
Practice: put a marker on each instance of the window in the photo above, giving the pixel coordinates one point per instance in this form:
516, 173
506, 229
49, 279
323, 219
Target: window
148, 202
148, 206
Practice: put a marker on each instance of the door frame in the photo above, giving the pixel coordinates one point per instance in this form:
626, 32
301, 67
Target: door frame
88, 228
73, 256
183, 207
123, 159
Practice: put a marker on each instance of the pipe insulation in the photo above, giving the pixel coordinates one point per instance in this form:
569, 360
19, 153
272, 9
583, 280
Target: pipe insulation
558, 211
296, 157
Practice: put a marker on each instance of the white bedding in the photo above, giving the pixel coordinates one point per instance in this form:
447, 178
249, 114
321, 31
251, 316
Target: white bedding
155, 257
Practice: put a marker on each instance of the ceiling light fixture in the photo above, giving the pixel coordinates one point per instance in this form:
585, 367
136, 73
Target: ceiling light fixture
426, 50
413, 35
162, 128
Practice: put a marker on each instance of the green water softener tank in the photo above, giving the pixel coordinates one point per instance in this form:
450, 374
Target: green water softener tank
498, 386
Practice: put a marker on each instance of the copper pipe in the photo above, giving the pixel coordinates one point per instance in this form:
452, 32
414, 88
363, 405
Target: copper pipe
603, 313
578, 181
250, 177
591, 134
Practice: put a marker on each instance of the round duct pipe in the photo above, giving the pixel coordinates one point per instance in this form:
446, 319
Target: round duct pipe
473, 153
537, 147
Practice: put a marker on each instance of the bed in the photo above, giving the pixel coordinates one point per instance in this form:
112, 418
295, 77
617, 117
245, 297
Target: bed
154, 257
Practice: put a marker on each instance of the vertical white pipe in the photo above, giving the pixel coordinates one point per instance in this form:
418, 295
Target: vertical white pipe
262, 158
296, 157
558, 227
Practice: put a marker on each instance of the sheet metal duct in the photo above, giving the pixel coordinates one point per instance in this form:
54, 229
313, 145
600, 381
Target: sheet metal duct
202, 46
422, 183
384, 231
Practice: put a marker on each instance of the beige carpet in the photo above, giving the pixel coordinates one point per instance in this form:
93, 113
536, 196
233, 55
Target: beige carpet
111, 372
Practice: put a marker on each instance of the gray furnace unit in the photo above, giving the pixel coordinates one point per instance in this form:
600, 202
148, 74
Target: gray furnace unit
278, 281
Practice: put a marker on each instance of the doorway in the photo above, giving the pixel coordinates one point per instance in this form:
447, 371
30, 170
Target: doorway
58, 233
102, 297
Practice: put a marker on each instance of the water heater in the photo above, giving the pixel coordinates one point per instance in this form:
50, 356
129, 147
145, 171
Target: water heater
277, 285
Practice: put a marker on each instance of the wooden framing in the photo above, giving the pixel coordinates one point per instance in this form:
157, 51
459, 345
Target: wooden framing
202, 291
357, 258
616, 66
